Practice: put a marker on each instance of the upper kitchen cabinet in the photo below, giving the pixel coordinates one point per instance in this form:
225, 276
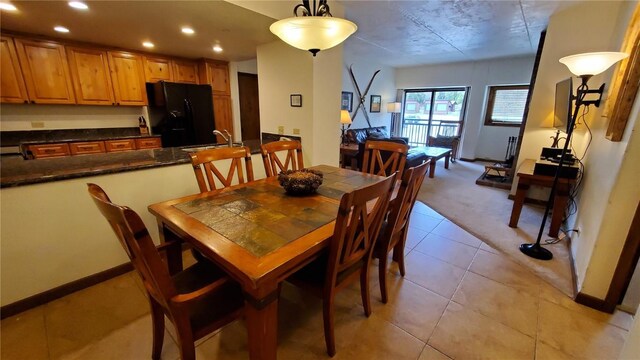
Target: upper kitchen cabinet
215, 74
127, 75
185, 71
157, 69
12, 88
90, 75
46, 72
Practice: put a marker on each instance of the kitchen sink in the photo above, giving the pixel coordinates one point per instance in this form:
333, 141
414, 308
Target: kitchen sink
207, 147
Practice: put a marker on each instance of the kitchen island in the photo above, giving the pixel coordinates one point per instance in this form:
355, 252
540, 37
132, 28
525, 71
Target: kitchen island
53, 235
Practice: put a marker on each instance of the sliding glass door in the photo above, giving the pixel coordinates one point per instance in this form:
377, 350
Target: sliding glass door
433, 112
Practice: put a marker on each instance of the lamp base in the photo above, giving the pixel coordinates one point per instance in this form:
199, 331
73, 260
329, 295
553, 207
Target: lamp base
536, 251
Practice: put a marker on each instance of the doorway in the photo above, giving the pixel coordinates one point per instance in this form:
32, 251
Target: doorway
249, 106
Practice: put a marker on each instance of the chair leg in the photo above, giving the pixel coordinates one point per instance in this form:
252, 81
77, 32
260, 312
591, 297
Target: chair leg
157, 320
328, 315
382, 275
185, 339
364, 290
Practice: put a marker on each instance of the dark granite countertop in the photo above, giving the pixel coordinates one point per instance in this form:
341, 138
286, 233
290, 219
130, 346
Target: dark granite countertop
13, 138
15, 171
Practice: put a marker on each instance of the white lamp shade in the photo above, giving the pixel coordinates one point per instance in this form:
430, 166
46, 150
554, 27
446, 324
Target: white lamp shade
592, 63
345, 118
313, 32
394, 107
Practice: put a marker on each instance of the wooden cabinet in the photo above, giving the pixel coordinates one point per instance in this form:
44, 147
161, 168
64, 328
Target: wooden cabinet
127, 75
120, 145
89, 147
12, 88
185, 71
215, 74
49, 150
46, 72
90, 75
222, 112
149, 143
157, 69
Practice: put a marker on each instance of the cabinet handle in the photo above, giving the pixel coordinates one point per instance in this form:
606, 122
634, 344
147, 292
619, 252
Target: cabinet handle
33, 101
26, 101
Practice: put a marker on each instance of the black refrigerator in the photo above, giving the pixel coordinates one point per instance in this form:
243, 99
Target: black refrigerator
183, 113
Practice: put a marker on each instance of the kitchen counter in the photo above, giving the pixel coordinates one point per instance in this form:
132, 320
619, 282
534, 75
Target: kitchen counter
15, 171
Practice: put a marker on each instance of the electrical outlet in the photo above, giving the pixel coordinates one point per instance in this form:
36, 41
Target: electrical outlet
296, 131
280, 130
37, 124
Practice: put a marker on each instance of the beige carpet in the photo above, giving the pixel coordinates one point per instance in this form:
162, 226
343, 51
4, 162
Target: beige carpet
485, 212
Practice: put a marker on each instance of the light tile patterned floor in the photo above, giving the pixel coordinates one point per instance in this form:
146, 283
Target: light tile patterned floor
460, 299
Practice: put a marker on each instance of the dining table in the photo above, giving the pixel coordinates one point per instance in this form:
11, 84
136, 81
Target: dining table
259, 235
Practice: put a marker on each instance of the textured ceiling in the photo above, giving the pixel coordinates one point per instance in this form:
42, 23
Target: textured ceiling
410, 33
395, 33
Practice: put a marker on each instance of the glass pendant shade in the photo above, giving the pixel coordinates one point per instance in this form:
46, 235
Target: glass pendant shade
313, 33
345, 118
592, 63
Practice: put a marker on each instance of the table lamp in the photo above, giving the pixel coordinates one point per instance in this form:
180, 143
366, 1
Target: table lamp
584, 66
345, 119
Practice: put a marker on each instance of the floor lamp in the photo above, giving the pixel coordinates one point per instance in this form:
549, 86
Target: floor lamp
584, 66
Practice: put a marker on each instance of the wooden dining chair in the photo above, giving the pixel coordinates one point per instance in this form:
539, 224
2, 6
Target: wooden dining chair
272, 163
384, 157
393, 234
350, 250
203, 166
197, 300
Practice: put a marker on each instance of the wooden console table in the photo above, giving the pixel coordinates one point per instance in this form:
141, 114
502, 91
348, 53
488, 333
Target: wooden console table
526, 178
349, 156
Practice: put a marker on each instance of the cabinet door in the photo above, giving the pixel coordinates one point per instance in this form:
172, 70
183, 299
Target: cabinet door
127, 76
222, 112
87, 147
215, 74
90, 75
156, 69
185, 71
149, 143
12, 88
49, 150
46, 72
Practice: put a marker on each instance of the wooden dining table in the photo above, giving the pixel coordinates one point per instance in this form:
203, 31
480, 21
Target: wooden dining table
258, 235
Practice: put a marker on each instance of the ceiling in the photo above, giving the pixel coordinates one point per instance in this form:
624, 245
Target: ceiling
395, 33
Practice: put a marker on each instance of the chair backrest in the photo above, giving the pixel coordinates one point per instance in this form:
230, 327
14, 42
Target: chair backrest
202, 162
400, 208
376, 160
137, 243
358, 223
272, 163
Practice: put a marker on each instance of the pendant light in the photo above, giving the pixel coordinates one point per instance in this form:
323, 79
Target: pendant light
314, 29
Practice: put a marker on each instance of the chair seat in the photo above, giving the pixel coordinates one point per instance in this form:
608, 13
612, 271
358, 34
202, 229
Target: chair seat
314, 274
214, 307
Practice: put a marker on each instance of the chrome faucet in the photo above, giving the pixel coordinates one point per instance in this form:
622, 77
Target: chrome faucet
228, 138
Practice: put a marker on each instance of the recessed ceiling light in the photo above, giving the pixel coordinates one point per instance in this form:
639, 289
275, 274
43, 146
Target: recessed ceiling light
188, 30
78, 5
61, 29
7, 6
217, 48
148, 44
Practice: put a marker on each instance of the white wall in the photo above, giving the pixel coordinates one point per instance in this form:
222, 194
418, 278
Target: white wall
19, 116
477, 140
249, 67
52, 233
383, 85
607, 200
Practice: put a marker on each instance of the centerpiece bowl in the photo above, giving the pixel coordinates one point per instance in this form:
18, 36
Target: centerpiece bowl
300, 182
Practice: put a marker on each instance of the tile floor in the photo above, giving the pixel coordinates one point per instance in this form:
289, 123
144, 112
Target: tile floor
460, 299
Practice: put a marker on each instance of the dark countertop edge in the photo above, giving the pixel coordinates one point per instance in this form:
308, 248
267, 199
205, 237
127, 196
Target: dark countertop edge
106, 138
81, 174
27, 180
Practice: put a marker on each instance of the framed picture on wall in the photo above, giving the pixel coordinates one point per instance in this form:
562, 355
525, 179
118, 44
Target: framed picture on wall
346, 101
296, 100
376, 101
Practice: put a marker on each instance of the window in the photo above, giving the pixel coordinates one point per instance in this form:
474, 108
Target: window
505, 106
433, 112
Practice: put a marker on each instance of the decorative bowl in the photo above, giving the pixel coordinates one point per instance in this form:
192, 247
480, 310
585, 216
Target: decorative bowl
300, 182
